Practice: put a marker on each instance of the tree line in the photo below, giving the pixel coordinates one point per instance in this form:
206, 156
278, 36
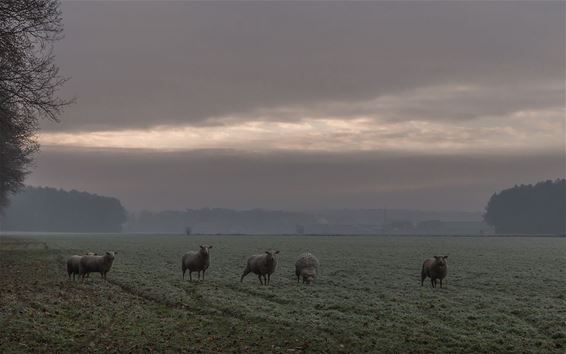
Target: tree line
524, 209
43, 209
529, 209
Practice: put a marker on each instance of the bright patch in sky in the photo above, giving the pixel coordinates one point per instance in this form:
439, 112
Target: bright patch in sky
435, 119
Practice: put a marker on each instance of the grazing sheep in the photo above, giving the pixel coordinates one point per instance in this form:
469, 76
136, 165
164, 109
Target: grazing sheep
73, 266
435, 268
306, 267
96, 264
196, 261
263, 265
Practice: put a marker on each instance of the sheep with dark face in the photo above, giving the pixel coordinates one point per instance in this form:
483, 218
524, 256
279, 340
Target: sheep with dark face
306, 267
73, 266
263, 265
434, 268
196, 261
96, 264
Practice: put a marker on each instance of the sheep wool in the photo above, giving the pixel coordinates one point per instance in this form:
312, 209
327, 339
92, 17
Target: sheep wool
263, 265
307, 267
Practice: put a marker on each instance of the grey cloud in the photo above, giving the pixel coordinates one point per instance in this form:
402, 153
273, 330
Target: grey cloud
234, 179
147, 63
440, 103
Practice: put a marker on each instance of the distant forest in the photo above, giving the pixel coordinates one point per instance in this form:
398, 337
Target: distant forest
524, 209
55, 210
529, 209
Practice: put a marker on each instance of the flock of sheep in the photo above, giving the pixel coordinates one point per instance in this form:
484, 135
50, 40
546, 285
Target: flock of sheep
263, 265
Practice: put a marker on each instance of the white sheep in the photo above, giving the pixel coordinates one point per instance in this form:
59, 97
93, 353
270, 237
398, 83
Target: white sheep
263, 265
73, 266
307, 267
96, 264
196, 261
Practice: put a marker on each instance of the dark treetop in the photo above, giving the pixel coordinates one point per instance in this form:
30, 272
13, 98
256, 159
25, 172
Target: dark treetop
529, 209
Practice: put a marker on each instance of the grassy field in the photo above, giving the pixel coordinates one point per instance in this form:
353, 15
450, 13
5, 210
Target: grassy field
503, 295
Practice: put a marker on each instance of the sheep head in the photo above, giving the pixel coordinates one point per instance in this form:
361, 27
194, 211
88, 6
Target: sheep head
204, 249
440, 260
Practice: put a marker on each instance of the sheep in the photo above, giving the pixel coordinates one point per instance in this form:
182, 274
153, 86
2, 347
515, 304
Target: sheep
435, 268
263, 265
196, 261
86, 254
306, 267
96, 264
73, 266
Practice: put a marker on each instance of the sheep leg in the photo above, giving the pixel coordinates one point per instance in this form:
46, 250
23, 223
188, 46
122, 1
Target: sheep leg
440, 283
433, 282
268, 278
246, 272
198, 275
260, 281
190, 275
203, 275
184, 270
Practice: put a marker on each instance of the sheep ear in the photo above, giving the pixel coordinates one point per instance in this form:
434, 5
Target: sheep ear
276, 252
267, 252
209, 247
445, 257
436, 257
201, 246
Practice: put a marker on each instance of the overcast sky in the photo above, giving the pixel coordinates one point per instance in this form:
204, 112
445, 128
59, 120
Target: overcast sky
429, 105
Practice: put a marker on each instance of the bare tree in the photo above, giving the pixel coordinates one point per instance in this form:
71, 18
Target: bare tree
29, 80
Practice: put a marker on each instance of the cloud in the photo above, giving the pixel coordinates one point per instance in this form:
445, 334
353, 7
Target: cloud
138, 65
387, 128
431, 105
